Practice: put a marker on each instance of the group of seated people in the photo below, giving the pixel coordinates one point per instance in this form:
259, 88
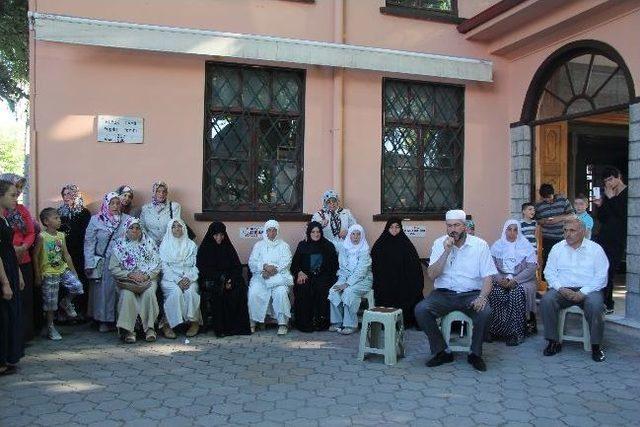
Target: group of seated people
111, 264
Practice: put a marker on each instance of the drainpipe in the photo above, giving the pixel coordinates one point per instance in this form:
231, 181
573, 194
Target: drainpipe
337, 130
31, 123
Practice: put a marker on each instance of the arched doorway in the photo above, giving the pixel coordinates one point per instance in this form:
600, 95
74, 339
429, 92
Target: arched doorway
574, 121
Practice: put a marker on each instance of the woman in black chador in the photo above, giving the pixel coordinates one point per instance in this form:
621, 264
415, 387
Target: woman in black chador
222, 287
314, 267
397, 272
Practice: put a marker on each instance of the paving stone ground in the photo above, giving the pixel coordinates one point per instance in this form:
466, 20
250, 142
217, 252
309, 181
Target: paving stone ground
314, 379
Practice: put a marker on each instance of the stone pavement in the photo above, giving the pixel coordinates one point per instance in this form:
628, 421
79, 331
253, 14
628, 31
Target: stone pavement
314, 379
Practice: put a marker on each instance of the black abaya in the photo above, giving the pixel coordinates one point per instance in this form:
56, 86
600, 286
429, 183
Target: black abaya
222, 287
397, 273
74, 228
318, 260
11, 331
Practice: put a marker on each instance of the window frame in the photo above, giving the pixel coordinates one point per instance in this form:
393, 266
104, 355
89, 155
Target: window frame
249, 212
384, 214
436, 15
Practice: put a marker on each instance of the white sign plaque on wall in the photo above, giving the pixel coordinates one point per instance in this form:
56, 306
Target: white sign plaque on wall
251, 232
415, 230
129, 130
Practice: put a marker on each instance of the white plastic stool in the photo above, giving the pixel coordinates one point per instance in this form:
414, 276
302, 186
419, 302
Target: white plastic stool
373, 321
585, 339
445, 326
370, 303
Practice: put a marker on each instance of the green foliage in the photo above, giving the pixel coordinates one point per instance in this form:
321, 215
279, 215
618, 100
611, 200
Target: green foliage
11, 150
14, 51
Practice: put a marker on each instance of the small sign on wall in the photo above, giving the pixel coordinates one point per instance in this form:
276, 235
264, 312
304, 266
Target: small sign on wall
120, 129
415, 230
251, 232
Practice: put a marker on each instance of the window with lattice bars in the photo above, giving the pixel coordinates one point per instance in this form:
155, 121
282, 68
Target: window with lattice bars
422, 147
253, 138
446, 6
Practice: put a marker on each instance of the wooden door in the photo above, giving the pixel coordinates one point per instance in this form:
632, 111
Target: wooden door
551, 156
552, 149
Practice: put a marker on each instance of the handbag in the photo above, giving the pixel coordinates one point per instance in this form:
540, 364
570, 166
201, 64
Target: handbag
96, 272
190, 232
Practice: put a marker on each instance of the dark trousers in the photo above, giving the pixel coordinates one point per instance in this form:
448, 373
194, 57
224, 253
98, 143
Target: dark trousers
614, 255
547, 244
593, 306
441, 302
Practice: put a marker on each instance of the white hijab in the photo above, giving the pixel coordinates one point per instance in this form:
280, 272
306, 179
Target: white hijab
352, 249
513, 253
174, 249
272, 223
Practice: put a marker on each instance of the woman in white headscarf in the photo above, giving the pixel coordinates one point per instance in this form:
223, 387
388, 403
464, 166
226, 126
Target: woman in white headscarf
135, 264
335, 220
179, 280
354, 281
271, 279
514, 287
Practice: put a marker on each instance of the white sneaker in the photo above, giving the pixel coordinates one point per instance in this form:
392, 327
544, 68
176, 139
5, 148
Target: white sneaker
346, 331
334, 328
68, 307
282, 330
53, 334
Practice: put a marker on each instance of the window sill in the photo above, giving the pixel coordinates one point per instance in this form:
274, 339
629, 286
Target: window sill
252, 216
427, 15
410, 216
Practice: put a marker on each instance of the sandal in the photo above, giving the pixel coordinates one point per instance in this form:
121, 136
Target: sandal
150, 336
130, 338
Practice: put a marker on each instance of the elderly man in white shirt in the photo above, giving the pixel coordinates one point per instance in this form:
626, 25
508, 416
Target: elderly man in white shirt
461, 267
576, 272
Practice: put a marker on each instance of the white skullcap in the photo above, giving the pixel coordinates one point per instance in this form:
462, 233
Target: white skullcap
455, 214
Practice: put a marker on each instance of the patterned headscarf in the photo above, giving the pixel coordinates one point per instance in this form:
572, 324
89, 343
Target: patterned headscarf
159, 205
13, 216
334, 216
110, 220
76, 205
141, 255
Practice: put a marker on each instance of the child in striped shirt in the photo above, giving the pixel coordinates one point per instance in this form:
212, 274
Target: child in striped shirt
528, 224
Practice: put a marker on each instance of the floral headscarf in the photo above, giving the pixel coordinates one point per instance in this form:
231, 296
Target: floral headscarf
13, 216
77, 205
157, 185
141, 255
110, 220
334, 216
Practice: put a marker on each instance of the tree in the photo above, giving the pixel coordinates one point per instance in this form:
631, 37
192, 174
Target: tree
14, 51
11, 150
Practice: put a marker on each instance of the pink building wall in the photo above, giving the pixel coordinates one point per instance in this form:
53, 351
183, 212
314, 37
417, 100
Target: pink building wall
73, 84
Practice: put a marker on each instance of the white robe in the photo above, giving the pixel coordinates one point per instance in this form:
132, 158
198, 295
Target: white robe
181, 306
345, 304
346, 219
274, 289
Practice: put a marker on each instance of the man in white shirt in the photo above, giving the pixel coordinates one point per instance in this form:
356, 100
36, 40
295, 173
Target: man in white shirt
576, 272
461, 267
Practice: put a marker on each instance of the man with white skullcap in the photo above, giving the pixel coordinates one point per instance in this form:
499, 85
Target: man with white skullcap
461, 267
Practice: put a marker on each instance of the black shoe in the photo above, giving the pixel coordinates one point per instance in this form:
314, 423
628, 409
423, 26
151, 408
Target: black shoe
597, 354
440, 358
608, 311
553, 348
476, 362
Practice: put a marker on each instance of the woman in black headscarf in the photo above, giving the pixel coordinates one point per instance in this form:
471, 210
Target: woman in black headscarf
397, 272
314, 268
223, 289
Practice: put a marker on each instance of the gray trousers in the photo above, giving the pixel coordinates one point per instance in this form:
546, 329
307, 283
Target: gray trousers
593, 306
442, 302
